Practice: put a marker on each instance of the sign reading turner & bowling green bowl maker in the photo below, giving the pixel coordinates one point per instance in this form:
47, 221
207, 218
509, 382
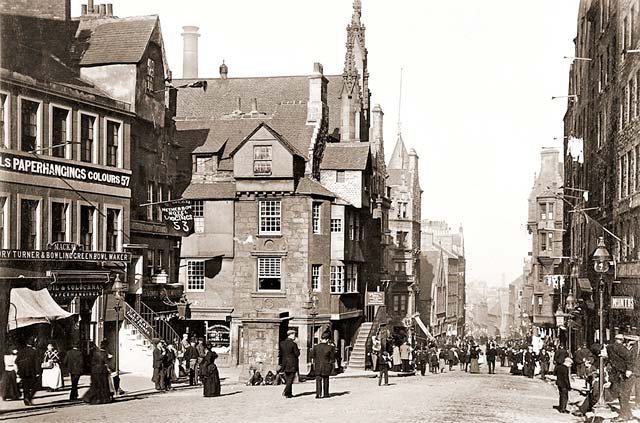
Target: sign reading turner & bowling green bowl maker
62, 255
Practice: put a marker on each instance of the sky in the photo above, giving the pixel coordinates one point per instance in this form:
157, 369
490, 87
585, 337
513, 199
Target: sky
478, 77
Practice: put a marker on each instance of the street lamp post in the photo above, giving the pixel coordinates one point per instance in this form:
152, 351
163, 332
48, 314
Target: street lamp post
117, 289
601, 259
569, 305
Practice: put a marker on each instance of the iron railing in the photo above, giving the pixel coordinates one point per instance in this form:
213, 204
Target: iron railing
161, 326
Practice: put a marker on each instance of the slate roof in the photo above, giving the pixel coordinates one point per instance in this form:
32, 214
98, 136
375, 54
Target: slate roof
114, 40
345, 156
210, 191
310, 187
221, 96
225, 134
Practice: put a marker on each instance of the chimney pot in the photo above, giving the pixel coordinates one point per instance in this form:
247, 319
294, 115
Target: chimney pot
224, 70
89, 6
109, 9
83, 9
190, 51
317, 68
103, 9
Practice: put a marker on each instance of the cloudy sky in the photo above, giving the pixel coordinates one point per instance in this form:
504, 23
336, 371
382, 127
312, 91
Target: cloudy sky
476, 102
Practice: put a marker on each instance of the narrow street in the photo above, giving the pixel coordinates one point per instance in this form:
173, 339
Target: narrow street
449, 397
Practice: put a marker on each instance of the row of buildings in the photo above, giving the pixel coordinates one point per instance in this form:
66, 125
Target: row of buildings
299, 222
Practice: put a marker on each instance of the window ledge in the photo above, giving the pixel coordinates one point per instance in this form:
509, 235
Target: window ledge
266, 294
269, 235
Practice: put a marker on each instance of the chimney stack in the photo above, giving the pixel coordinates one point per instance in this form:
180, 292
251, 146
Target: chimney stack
90, 6
109, 9
224, 70
83, 9
190, 52
103, 9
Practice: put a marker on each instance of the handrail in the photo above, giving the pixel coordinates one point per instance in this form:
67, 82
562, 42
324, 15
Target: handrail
162, 328
140, 323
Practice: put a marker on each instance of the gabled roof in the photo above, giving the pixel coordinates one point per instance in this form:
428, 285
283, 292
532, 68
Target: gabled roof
114, 40
310, 187
292, 148
346, 156
221, 97
210, 191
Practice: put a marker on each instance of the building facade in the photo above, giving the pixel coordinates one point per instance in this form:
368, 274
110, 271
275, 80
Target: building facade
542, 283
602, 115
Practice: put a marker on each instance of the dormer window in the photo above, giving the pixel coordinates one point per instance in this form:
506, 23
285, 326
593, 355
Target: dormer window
203, 164
262, 160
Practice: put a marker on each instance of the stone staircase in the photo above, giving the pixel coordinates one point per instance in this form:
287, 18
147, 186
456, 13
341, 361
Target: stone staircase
136, 351
358, 357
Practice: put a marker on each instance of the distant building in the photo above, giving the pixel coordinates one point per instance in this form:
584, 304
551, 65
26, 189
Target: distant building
542, 283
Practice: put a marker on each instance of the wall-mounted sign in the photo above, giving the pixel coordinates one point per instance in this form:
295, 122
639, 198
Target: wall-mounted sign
43, 167
72, 290
622, 303
57, 255
179, 218
65, 246
375, 298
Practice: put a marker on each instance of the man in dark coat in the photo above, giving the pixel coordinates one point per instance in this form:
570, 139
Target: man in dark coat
323, 356
621, 371
28, 370
491, 358
582, 356
191, 356
288, 359
559, 356
74, 363
564, 384
158, 360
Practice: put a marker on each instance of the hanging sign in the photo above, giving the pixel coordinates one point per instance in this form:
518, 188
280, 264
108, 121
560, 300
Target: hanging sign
622, 303
375, 298
179, 218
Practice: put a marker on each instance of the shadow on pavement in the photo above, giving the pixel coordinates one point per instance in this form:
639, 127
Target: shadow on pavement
339, 394
304, 394
230, 393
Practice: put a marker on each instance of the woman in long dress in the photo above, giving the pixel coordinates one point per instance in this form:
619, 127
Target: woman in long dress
99, 392
9, 382
396, 358
210, 375
51, 375
474, 355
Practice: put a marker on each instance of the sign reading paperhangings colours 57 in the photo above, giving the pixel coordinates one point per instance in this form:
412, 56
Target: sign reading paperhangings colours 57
179, 218
57, 255
622, 303
43, 167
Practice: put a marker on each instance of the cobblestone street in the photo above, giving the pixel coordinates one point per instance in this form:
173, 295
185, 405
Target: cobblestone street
449, 397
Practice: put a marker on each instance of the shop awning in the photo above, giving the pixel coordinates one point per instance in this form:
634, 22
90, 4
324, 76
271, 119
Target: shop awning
584, 284
423, 327
31, 307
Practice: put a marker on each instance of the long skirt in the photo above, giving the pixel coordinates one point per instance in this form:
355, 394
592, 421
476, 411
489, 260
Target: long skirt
100, 390
9, 386
211, 385
475, 367
52, 378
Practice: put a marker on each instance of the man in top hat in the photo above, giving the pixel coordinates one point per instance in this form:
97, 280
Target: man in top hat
74, 363
621, 371
323, 356
158, 369
28, 370
288, 359
564, 384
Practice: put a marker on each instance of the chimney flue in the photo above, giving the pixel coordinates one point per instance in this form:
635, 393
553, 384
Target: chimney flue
83, 9
103, 9
190, 52
109, 9
89, 6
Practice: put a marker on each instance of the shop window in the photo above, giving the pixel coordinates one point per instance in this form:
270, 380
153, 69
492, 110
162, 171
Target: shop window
269, 274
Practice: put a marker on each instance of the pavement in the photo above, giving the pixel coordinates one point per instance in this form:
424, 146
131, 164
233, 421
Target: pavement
355, 397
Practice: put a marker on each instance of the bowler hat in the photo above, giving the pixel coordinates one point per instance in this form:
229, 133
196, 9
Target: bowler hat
619, 336
291, 332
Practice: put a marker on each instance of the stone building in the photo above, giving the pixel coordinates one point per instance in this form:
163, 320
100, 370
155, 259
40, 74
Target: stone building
443, 267
603, 115
404, 226
289, 204
545, 227
65, 173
